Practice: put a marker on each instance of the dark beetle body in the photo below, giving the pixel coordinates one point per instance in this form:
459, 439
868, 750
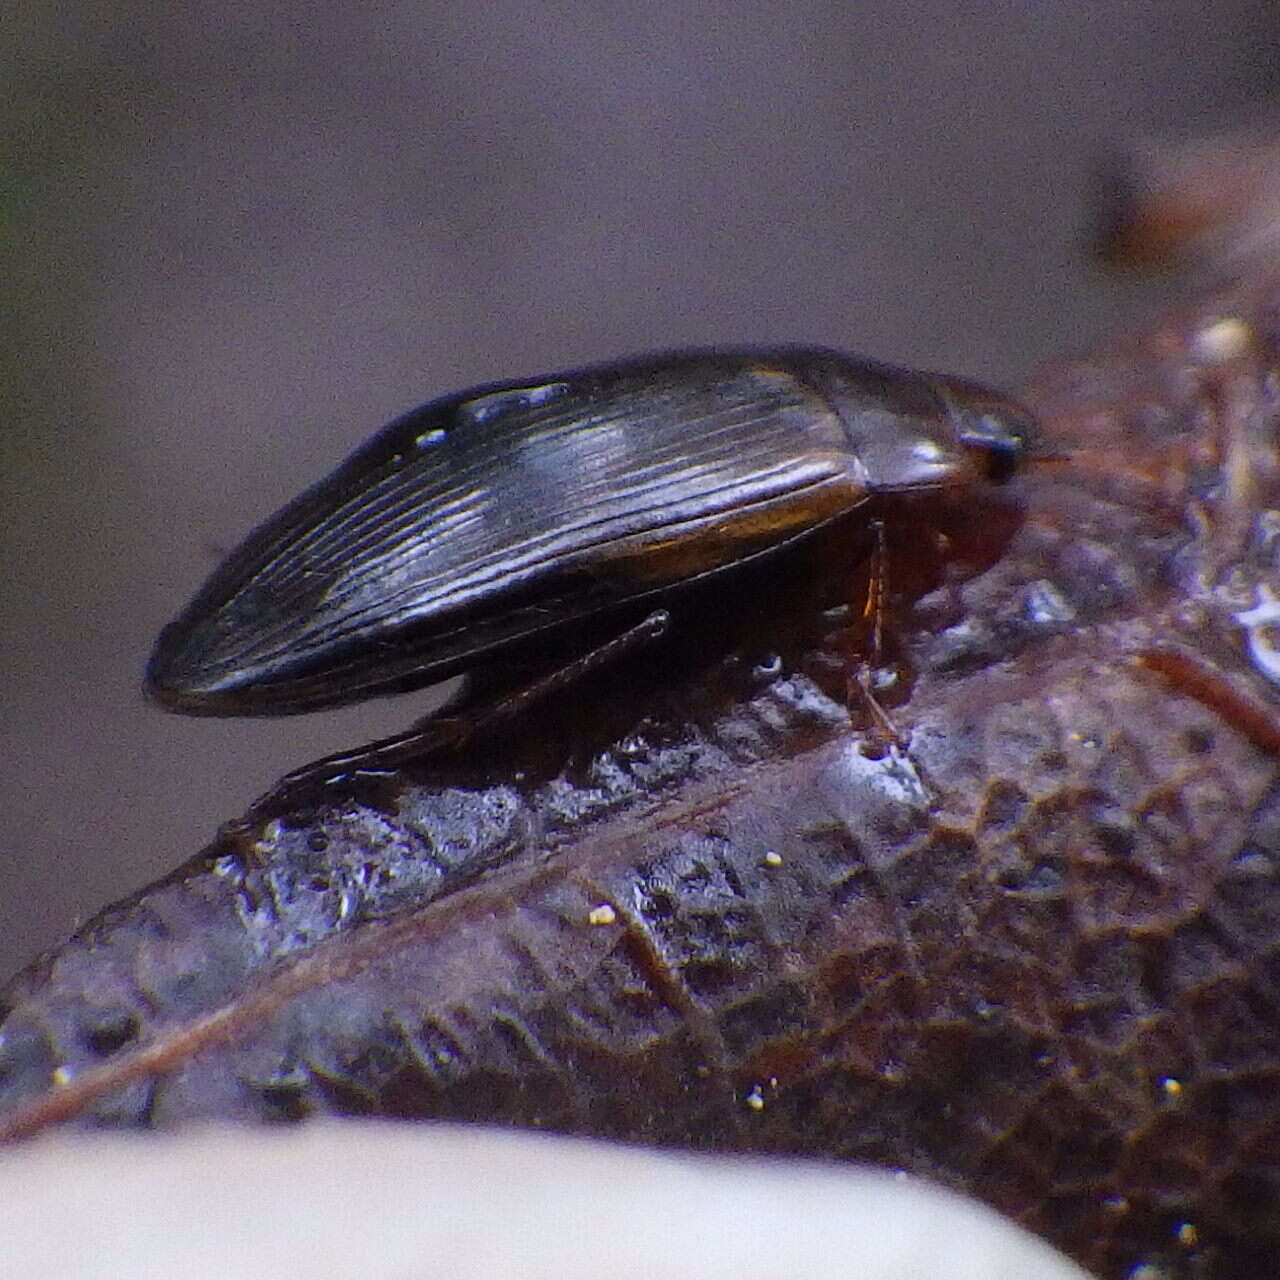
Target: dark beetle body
485, 518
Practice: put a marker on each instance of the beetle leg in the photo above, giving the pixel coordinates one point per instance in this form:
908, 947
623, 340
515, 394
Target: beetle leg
508, 708
886, 732
436, 734
877, 586
860, 683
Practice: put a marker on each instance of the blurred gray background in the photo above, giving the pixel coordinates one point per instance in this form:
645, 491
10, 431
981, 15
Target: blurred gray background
236, 239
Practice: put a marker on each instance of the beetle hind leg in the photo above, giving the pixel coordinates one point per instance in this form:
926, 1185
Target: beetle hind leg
439, 733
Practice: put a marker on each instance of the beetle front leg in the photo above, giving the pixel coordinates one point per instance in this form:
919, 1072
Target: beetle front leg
865, 644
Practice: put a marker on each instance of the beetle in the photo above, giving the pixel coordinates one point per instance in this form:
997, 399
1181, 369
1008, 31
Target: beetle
479, 521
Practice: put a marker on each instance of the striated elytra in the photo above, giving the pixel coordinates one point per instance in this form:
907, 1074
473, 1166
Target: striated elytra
482, 519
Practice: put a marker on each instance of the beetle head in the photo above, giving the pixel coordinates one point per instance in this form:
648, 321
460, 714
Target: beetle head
999, 435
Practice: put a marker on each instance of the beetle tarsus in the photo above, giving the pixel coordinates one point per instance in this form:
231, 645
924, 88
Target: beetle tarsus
882, 725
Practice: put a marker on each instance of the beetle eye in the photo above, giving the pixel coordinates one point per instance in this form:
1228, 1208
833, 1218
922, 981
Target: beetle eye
997, 433
997, 456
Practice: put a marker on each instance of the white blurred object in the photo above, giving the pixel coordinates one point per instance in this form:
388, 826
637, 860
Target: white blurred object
381, 1201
